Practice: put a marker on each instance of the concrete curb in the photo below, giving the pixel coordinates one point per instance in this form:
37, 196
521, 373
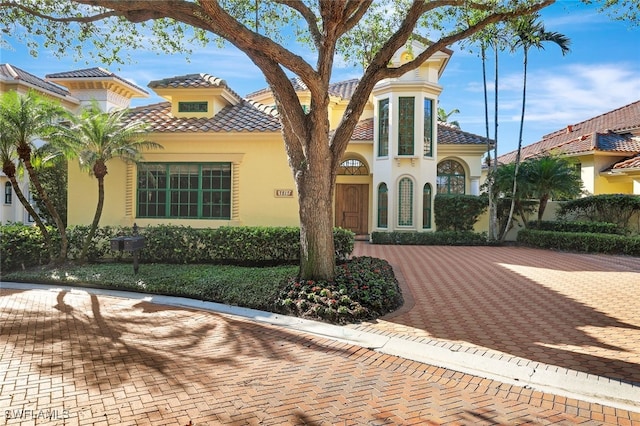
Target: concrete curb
466, 359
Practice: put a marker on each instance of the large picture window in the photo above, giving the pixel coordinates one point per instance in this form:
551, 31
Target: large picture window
406, 128
383, 128
179, 190
451, 177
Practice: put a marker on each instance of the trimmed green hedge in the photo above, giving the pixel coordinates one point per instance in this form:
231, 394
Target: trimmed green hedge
439, 238
581, 242
22, 246
589, 227
614, 208
458, 212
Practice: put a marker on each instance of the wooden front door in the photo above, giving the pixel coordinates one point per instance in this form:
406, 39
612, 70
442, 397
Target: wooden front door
352, 204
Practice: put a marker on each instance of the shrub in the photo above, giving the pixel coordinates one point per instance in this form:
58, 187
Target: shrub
364, 288
458, 212
581, 242
613, 208
588, 227
439, 238
22, 246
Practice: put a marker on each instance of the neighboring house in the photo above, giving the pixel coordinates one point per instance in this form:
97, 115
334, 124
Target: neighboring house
82, 88
223, 160
606, 150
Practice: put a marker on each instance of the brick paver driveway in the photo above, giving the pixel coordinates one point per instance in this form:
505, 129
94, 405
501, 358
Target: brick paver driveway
79, 358
577, 311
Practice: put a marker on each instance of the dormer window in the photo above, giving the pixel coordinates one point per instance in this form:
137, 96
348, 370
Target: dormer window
193, 107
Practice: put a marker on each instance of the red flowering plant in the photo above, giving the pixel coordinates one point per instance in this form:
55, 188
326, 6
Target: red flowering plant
364, 288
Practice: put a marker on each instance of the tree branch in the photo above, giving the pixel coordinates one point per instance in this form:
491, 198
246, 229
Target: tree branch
80, 19
308, 16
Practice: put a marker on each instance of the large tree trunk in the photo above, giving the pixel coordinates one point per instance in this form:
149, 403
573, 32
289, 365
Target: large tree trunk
315, 177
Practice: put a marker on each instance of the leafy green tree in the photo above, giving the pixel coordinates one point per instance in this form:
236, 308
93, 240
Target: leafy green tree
551, 177
314, 154
529, 33
25, 119
95, 137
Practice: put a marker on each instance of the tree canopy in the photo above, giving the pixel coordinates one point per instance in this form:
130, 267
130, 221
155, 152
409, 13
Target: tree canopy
365, 32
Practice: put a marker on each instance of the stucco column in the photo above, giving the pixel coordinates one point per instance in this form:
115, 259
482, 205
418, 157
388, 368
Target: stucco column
636, 185
475, 185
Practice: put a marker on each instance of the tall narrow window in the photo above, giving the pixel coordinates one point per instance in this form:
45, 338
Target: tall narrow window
405, 202
383, 128
426, 206
428, 127
383, 205
451, 177
406, 128
8, 193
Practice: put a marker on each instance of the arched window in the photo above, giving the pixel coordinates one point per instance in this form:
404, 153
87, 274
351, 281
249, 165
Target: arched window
405, 202
426, 206
451, 177
8, 193
353, 167
383, 205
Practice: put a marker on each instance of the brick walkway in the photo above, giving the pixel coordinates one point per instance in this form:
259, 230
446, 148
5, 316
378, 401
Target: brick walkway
577, 311
98, 360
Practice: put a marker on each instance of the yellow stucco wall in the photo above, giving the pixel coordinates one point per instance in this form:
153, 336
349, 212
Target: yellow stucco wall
260, 168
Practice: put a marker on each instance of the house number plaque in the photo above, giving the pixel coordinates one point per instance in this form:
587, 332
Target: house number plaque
283, 193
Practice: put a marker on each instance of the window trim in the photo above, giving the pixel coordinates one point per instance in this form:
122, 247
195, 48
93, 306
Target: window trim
401, 203
383, 194
406, 123
448, 177
383, 127
8, 193
169, 192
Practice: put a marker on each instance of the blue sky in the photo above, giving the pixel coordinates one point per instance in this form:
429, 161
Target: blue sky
601, 73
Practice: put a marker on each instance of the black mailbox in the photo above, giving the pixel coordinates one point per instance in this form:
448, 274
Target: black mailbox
117, 243
133, 244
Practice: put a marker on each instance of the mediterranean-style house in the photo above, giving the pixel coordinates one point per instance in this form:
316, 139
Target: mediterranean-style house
606, 149
223, 160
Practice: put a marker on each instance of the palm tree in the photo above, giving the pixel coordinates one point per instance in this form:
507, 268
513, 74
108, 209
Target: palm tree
530, 33
551, 177
443, 116
95, 137
26, 118
8, 157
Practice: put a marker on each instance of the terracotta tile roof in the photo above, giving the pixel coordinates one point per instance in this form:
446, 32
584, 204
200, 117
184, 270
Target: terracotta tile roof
342, 89
10, 72
192, 81
607, 132
245, 117
447, 134
451, 135
629, 163
95, 72
363, 131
